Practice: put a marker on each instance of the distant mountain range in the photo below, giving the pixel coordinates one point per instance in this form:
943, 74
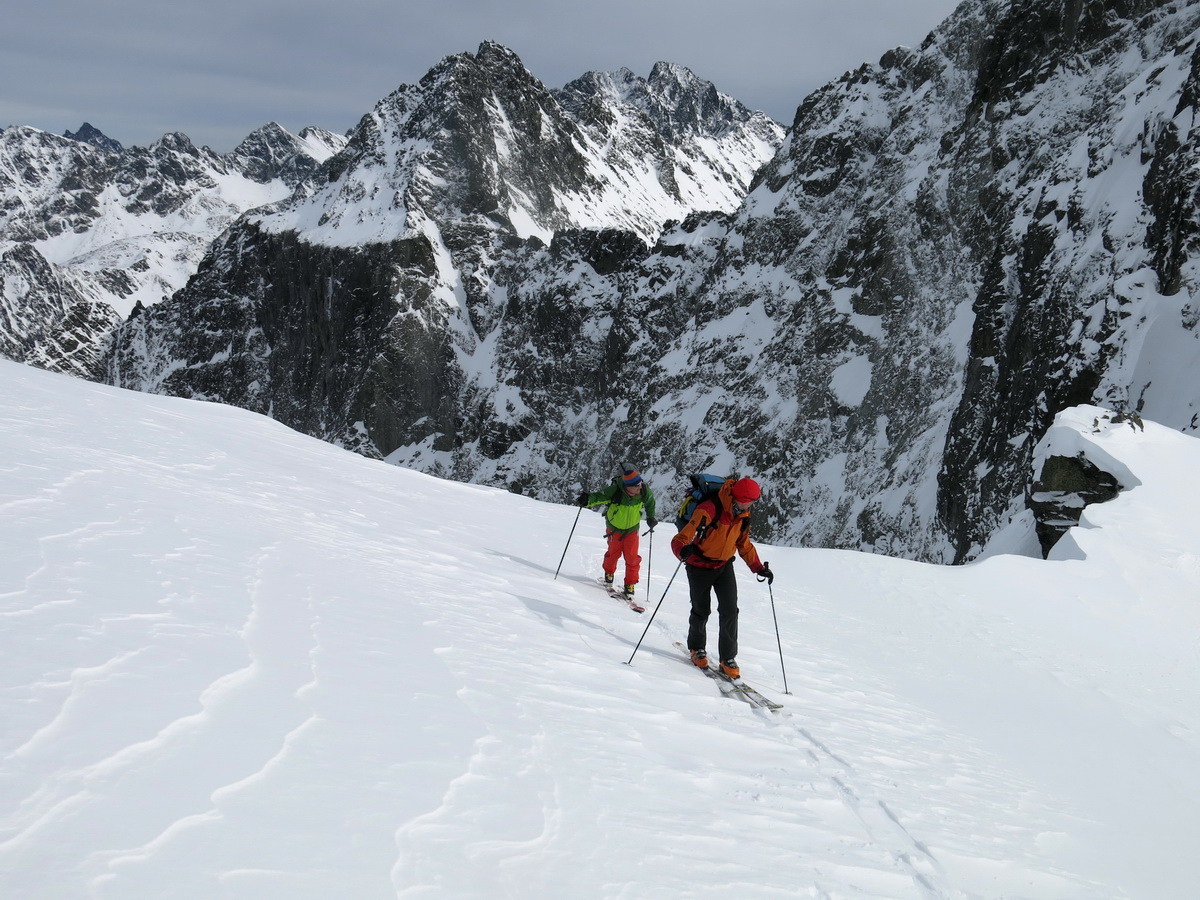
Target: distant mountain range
877, 313
90, 230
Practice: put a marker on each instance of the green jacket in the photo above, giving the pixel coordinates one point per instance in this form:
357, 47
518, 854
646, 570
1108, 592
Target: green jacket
624, 512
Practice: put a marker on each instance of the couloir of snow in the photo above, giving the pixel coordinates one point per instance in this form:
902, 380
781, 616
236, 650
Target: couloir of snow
238, 662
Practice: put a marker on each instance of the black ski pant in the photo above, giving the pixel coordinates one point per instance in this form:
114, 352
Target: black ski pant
702, 584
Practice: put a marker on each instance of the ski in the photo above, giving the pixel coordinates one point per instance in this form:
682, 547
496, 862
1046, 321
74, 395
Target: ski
618, 594
729, 685
756, 698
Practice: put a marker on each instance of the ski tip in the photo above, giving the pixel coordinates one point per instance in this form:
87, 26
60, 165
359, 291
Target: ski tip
620, 595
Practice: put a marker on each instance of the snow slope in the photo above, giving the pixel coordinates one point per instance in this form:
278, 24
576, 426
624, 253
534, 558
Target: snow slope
239, 662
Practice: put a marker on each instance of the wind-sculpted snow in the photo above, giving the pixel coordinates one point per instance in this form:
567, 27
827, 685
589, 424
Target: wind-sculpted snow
240, 662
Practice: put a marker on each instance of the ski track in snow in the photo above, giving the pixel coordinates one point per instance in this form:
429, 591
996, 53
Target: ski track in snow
242, 663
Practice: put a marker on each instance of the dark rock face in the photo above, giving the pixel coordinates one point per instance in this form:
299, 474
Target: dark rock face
951, 220
1172, 187
47, 319
1059, 281
1065, 486
316, 337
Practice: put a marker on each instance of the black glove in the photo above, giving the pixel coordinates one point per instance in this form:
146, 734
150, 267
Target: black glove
651, 521
582, 499
686, 551
766, 573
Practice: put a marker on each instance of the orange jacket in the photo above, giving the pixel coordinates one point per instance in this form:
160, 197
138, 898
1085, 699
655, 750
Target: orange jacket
717, 537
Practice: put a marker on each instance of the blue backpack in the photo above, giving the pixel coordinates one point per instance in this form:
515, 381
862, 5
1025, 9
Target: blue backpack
703, 487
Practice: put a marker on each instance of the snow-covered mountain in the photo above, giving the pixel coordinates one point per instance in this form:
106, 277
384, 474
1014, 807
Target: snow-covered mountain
242, 663
950, 247
81, 216
374, 309
979, 232
480, 145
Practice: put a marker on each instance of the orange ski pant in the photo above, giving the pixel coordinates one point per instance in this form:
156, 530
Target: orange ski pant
625, 545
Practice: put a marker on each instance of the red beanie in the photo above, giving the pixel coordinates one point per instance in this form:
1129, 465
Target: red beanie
746, 490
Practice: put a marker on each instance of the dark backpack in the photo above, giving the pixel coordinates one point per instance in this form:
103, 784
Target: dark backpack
703, 487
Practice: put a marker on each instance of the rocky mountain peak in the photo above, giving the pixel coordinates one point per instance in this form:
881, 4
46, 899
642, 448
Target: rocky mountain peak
163, 177
480, 138
681, 105
89, 134
463, 79
322, 140
35, 166
272, 152
497, 57
177, 142
99, 232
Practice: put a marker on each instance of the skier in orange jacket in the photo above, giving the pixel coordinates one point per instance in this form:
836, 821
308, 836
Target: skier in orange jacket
717, 530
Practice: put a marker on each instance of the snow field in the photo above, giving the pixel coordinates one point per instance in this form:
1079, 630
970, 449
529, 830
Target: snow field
242, 663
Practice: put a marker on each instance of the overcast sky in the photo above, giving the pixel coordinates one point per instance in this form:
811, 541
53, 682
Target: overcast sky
218, 69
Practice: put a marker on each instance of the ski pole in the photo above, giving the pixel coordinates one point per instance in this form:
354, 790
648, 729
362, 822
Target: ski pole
569, 536
649, 559
771, 591
629, 661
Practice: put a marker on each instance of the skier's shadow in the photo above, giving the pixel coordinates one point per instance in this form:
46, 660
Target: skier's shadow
559, 615
555, 614
546, 570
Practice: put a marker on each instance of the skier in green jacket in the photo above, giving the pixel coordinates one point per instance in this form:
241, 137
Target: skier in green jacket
626, 497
